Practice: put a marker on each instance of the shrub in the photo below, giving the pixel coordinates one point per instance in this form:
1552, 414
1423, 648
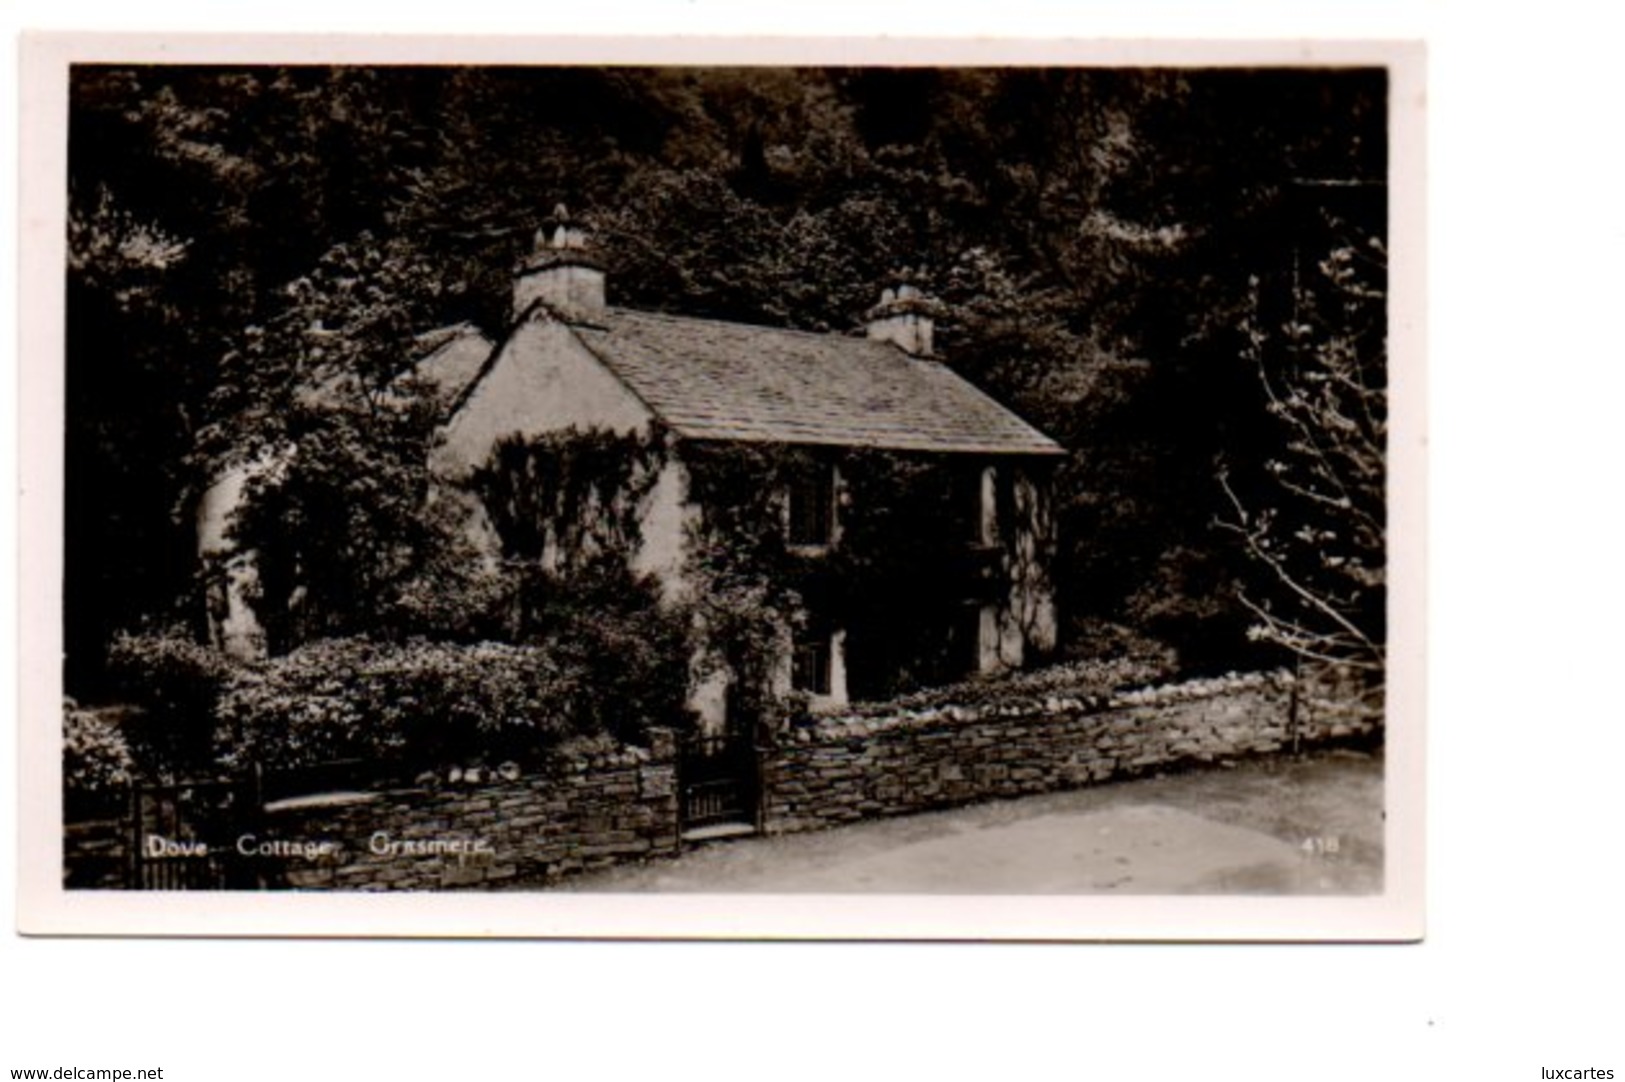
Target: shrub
1123, 659
567, 508
1189, 601
628, 652
96, 760
461, 600
454, 592
176, 682
1094, 639
401, 704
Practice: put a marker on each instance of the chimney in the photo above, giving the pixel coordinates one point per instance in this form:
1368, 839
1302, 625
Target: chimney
562, 271
904, 317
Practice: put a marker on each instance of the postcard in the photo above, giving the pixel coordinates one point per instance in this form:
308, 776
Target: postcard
769, 489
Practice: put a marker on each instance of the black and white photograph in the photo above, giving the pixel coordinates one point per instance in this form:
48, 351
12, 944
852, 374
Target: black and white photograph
883, 541
661, 481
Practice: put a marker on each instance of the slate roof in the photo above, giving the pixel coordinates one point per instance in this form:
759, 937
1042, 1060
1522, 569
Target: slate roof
711, 380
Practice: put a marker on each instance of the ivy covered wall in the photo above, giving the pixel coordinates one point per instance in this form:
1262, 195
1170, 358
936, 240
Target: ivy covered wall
916, 589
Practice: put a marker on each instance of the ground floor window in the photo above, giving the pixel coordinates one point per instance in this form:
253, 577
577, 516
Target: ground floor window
810, 663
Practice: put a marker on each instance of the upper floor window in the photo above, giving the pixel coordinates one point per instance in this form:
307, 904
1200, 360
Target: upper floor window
811, 499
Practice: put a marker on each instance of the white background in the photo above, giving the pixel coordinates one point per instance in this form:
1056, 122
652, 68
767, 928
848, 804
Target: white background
1521, 967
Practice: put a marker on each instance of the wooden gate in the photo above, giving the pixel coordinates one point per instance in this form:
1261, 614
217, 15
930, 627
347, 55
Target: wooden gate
184, 836
718, 778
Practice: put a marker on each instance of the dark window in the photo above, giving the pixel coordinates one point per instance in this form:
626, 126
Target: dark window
809, 669
812, 506
968, 646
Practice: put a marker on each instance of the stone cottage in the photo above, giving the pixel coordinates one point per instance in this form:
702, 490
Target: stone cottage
571, 362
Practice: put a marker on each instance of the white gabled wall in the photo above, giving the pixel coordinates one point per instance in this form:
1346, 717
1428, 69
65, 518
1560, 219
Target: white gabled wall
543, 380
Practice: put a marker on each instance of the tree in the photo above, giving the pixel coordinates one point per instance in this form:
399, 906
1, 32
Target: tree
1092, 233
128, 422
319, 407
1315, 526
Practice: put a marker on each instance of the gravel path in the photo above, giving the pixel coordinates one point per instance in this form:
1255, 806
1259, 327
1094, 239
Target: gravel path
1310, 825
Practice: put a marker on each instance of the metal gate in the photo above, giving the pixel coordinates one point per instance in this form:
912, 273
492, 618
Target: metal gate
184, 836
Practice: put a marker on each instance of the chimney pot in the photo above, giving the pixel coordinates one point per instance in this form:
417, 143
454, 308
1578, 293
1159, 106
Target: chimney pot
563, 271
905, 317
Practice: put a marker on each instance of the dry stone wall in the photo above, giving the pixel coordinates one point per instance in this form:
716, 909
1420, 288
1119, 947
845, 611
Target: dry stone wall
587, 811
842, 769
475, 829
579, 814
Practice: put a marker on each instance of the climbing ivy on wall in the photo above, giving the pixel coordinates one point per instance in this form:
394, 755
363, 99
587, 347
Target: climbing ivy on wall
903, 581
748, 589
566, 498
567, 509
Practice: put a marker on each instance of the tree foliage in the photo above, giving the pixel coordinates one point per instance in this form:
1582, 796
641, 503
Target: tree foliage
314, 403
566, 509
96, 759
242, 235
1316, 527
